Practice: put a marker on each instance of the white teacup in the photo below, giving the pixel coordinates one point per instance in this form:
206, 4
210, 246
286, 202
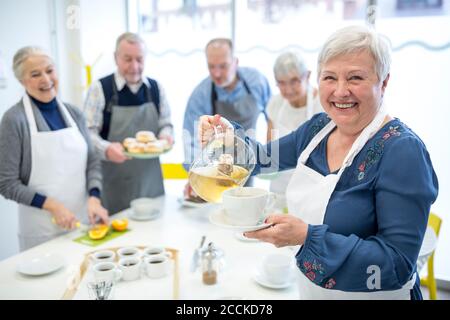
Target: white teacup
247, 206
153, 251
278, 267
107, 271
131, 268
157, 266
103, 256
145, 207
128, 252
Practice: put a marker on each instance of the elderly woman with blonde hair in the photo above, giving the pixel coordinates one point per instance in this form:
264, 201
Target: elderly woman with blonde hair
363, 184
48, 164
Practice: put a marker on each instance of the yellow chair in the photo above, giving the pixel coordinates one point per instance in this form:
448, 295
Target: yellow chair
173, 171
429, 281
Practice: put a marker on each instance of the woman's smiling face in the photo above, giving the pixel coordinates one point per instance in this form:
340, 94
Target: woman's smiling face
39, 78
350, 91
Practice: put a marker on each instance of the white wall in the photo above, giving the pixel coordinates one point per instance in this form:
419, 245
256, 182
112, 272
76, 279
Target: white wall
14, 16
99, 32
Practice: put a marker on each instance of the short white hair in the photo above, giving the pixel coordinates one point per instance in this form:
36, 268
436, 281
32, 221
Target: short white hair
355, 39
22, 55
288, 62
131, 38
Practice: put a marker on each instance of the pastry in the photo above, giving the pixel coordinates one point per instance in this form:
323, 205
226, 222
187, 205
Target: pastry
145, 136
153, 147
128, 141
136, 147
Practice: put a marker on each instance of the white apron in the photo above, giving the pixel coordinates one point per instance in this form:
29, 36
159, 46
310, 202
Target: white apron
279, 184
58, 170
308, 194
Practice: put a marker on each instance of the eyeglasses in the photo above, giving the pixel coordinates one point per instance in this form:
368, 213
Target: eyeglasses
291, 83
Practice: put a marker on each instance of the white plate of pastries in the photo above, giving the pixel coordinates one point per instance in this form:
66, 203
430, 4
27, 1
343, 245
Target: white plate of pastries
145, 146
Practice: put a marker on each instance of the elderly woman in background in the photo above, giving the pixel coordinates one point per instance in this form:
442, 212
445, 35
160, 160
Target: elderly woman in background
363, 184
297, 102
47, 162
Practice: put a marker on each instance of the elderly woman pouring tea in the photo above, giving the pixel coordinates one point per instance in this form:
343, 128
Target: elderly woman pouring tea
363, 183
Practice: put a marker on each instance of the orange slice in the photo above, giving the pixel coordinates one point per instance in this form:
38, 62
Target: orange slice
98, 232
119, 224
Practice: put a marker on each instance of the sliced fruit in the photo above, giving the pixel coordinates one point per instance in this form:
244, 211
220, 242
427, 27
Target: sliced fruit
98, 232
119, 224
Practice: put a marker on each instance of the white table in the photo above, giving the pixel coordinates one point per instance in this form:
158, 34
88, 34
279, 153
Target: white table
179, 228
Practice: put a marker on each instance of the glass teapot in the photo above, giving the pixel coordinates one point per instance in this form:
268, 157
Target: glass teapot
225, 162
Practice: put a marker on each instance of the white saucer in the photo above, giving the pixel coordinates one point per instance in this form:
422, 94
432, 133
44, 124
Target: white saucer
155, 214
259, 278
218, 218
192, 204
41, 265
240, 236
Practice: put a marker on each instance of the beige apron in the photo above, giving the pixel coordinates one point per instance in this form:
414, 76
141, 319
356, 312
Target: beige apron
58, 171
308, 194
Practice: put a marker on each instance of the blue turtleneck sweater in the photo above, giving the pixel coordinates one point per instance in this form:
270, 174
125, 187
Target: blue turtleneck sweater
51, 114
55, 121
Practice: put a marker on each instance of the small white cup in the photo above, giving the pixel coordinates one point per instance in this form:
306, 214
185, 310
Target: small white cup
131, 268
278, 268
145, 207
157, 266
103, 256
153, 251
107, 271
128, 252
247, 206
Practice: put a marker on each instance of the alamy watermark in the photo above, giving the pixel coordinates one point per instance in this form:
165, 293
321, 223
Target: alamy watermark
371, 14
374, 280
73, 21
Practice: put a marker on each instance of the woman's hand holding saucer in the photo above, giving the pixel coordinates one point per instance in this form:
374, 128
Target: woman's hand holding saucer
287, 230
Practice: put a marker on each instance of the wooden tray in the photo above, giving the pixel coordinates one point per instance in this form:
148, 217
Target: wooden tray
78, 278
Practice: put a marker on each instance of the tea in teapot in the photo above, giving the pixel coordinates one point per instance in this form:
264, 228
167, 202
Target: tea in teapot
210, 182
226, 162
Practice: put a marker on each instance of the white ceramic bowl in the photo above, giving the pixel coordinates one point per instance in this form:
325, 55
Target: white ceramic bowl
144, 207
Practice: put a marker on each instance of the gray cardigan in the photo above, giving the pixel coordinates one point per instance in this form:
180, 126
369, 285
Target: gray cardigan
15, 152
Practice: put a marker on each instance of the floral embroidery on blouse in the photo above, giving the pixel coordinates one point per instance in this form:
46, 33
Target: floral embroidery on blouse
314, 271
375, 152
318, 125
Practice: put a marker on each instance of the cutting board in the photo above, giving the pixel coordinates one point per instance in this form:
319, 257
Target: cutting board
112, 234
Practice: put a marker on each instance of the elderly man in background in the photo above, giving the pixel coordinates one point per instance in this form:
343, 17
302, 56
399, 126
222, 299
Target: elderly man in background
118, 106
237, 93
